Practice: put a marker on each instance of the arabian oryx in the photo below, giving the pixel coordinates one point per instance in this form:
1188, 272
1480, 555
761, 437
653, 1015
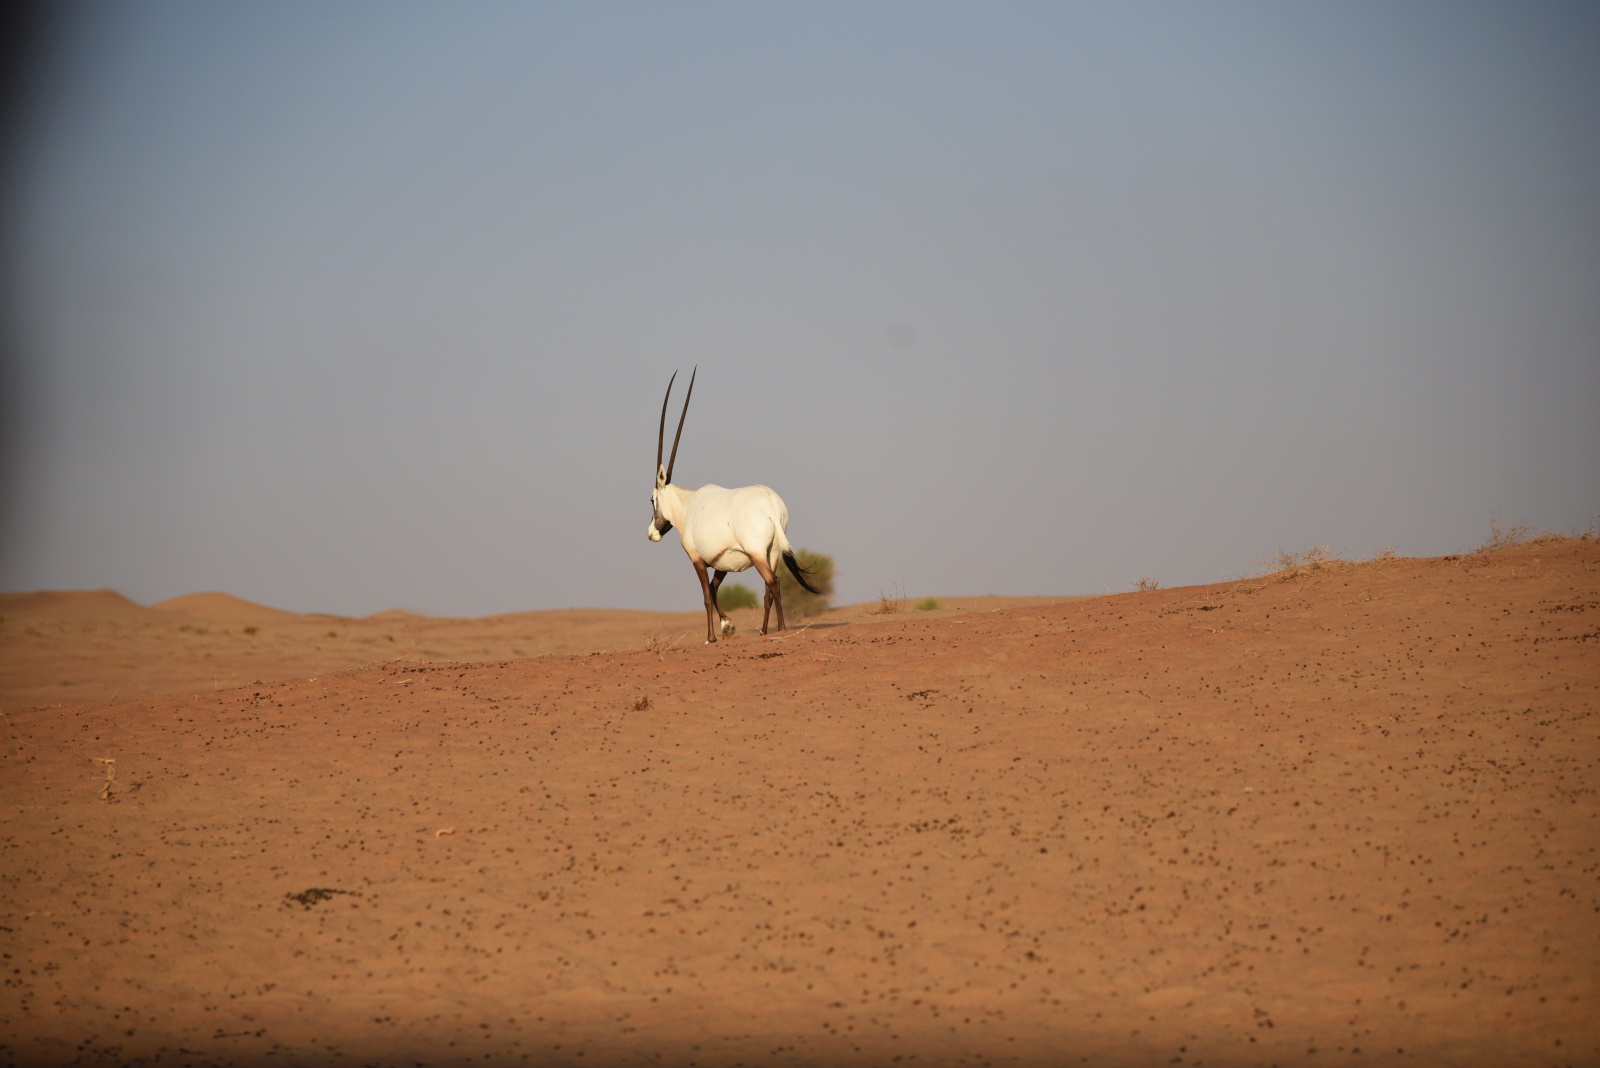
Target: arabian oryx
723, 529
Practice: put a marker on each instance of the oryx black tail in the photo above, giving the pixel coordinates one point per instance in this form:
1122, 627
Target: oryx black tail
801, 575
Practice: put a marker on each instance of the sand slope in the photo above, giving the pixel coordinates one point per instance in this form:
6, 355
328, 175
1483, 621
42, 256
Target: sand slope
224, 607
73, 604
1346, 816
64, 646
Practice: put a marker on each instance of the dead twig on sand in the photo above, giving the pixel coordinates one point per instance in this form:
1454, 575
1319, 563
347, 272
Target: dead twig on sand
660, 648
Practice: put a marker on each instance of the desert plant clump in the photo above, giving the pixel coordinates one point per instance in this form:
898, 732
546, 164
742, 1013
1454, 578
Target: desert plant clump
1512, 535
927, 604
1147, 583
1504, 536
1315, 560
733, 595
797, 600
661, 646
891, 602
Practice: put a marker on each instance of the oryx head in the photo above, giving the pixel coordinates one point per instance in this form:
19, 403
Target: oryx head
659, 524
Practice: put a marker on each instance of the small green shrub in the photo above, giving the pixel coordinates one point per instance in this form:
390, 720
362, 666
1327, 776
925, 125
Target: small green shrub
798, 601
731, 595
927, 604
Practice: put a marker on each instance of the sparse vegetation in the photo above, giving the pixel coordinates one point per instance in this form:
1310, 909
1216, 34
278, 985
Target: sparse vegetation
252, 631
1385, 553
1508, 536
733, 595
1504, 536
798, 601
927, 604
659, 645
642, 704
890, 603
1319, 558
1147, 583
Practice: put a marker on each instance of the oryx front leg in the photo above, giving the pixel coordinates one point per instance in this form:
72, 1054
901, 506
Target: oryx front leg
711, 601
716, 584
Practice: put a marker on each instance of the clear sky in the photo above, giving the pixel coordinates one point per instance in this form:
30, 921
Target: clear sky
365, 305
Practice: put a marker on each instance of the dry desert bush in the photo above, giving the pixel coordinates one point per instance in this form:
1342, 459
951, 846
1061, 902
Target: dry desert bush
1317, 560
799, 601
734, 595
1510, 535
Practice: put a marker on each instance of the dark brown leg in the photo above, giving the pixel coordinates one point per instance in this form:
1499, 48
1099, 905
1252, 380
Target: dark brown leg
773, 599
716, 584
711, 602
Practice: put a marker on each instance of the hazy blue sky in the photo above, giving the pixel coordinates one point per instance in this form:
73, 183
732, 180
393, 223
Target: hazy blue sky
350, 306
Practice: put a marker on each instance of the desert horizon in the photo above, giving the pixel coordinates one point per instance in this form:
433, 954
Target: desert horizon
1337, 813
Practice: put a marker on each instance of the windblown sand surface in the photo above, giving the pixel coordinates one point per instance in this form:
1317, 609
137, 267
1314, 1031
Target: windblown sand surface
1344, 816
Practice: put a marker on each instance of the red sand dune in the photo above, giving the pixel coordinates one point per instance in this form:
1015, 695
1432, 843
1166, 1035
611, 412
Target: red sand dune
1345, 815
73, 605
223, 607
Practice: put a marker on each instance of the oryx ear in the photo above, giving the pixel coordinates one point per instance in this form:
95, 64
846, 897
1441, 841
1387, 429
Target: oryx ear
661, 476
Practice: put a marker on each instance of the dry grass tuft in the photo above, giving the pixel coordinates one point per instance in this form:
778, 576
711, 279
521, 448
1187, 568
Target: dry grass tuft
1514, 534
660, 646
1147, 583
1318, 559
890, 603
1505, 536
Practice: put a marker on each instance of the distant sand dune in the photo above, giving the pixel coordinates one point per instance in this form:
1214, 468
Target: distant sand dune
73, 604
222, 607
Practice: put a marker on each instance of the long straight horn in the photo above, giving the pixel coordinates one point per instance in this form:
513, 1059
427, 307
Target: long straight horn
674, 458
661, 431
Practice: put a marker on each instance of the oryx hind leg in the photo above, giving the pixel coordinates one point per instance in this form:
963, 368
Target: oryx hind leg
774, 598
716, 584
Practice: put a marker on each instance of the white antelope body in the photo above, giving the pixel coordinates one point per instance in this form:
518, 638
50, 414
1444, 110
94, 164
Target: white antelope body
723, 530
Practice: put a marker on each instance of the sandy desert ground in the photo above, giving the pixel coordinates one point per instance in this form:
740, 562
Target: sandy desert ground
1338, 815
